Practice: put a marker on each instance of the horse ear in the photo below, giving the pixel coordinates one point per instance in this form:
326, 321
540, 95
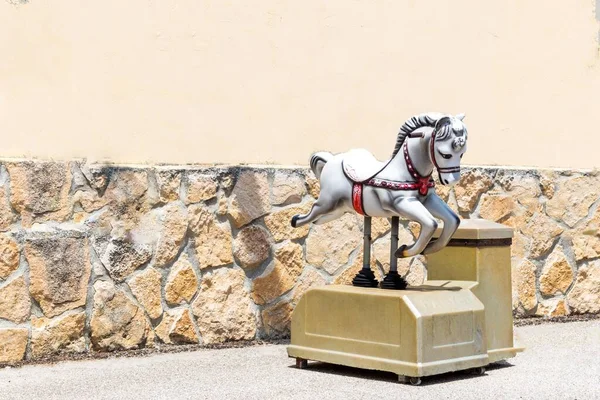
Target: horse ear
442, 121
460, 116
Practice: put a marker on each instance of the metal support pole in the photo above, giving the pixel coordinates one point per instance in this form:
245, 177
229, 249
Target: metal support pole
367, 244
366, 277
394, 244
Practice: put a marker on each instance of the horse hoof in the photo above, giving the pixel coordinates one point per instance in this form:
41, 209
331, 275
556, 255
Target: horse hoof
400, 251
294, 220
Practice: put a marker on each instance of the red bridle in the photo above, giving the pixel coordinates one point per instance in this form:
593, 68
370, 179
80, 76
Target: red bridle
440, 170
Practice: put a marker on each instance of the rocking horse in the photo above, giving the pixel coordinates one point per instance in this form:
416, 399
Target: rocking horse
356, 181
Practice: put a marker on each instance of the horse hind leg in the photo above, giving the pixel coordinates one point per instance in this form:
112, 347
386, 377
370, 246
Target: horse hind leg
333, 198
321, 208
335, 214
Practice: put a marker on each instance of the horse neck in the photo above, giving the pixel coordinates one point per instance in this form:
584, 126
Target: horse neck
418, 150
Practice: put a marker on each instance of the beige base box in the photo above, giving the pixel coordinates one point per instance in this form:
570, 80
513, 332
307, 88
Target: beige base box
411, 332
461, 319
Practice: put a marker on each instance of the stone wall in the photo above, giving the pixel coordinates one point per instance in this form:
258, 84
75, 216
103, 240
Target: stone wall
103, 258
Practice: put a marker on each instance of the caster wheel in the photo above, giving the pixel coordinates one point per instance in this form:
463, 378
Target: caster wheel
301, 363
414, 381
478, 371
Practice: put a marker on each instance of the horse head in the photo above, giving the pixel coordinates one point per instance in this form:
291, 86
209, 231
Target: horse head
447, 146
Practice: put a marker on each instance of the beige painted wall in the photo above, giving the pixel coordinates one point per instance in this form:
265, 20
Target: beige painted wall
272, 81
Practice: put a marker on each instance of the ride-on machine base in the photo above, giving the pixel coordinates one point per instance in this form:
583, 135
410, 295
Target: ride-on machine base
460, 319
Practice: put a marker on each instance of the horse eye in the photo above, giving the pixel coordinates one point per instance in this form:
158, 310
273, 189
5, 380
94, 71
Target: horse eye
446, 156
462, 155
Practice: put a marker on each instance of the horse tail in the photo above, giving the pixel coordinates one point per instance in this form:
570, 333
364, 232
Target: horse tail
318, 160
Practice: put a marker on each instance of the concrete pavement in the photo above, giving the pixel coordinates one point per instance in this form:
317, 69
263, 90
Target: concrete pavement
562, 361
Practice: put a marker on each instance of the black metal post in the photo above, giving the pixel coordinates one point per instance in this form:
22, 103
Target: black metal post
394, 244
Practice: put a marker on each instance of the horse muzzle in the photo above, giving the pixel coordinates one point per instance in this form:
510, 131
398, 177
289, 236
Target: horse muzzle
449, 178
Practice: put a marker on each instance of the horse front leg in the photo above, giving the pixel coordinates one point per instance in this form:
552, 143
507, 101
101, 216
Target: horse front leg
414, 210
438, 208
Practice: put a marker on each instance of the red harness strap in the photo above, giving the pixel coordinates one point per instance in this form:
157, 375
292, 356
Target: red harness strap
357, 198
422, 186
422, 182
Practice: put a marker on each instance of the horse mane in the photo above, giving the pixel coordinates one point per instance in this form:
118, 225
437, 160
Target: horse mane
414, 123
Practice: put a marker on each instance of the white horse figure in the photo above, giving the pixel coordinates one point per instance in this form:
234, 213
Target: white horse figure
402, 186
